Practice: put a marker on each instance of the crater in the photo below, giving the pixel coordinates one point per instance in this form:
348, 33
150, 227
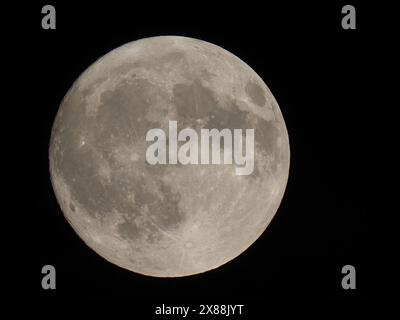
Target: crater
72, 207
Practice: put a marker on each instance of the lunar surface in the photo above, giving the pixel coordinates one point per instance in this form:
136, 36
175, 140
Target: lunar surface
166, 220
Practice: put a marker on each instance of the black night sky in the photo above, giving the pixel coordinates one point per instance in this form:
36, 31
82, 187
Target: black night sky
333, 89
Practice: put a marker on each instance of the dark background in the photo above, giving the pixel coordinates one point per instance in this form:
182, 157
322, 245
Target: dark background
333, 87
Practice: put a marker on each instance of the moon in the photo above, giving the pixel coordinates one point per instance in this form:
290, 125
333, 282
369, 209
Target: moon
166, 220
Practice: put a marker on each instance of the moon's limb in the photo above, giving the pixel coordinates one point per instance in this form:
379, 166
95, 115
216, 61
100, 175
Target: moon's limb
166, 220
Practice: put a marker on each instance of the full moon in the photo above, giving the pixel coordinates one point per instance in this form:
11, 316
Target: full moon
166, 220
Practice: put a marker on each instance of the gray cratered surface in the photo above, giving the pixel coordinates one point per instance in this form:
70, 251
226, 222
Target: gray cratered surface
165, 220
